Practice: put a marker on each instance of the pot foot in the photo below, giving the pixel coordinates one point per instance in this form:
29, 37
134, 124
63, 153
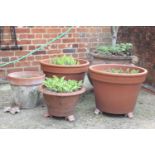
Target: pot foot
70, 118
97, 111
46, 115
12, 110
130, 115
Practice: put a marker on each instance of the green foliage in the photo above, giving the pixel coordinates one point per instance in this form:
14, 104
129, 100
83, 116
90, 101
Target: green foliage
61, 85
121, 71
64, 60
119, 48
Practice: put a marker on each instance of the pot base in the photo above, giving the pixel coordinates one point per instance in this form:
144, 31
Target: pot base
70, 118
129, 115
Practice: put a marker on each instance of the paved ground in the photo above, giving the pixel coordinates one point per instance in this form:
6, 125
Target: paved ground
85, 118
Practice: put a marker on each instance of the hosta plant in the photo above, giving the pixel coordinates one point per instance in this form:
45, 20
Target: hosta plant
64, 60
118, 49
61, 85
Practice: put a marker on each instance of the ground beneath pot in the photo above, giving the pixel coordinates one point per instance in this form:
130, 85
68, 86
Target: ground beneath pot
85, 117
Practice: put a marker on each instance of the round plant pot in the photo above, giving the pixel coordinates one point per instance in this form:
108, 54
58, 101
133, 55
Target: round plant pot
24, 87
73, 72
116, 93
96, 57
61, 104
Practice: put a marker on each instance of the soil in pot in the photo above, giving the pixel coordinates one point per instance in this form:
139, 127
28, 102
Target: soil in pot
116, 93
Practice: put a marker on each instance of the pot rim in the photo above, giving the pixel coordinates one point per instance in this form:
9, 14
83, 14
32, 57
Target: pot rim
43, 90
15, 79
144, 71
40, 75
114, 57
67, 66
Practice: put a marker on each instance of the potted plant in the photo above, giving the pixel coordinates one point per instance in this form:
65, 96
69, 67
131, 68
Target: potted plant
116, 87
61, 96
65, 65
120, 53
24, 86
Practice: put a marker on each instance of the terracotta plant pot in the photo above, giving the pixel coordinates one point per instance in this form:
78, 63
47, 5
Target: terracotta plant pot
61, 104
116, 93
73, 72
101, 59
25, 87
96, 57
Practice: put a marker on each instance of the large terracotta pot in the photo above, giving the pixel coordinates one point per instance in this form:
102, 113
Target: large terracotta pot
116, 93
73, 72
61, 104
25, 88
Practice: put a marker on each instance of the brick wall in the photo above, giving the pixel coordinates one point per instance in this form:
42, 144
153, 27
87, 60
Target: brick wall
29, 38
143, 39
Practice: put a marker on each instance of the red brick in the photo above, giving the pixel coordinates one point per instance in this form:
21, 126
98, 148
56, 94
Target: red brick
39, 52
38, 41
26, 36
39, 36
31, 47
13, 58
68, 40
38, 57
38, 30
66, 28
82, 46
54, 51
6, 53
82, 30
22, 64
81, 50
49, 36
30, 58
53, 30
9, 65
23, 42
31, 68
35, 63
22, 30
62, 46
14, 70
24, 47
75, 35
45, 56
106, 29
20, 53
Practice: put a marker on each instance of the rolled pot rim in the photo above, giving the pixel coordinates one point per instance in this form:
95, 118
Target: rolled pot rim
67, 66
144, 71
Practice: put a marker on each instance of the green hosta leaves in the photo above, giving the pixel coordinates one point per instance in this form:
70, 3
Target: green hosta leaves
57, 84
64, 60
121, 71
119, 48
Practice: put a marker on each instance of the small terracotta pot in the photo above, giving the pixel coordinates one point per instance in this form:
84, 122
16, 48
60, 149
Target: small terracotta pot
73, 72
116, 93
61, 104
25, 88
26, 78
